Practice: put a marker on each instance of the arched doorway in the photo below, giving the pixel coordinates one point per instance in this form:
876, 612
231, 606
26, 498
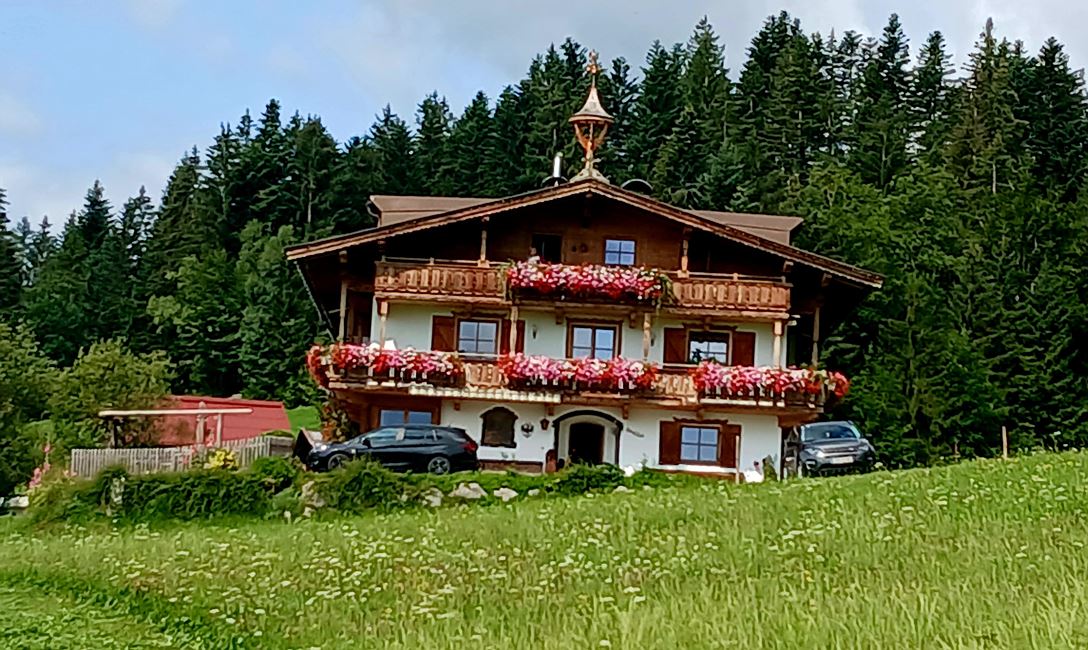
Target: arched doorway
587, 436
586, 443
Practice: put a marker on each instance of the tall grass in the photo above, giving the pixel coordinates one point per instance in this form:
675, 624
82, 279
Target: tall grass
980, 555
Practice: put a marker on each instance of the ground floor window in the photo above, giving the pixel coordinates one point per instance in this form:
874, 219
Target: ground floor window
498, 427
698, 444
390, 417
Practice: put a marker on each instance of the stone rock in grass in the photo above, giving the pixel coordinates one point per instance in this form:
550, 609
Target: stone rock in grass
471, 491
504, 493
432, 497
622, 488
310, 496
533, 492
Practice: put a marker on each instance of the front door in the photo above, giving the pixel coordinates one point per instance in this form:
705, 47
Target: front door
586, 443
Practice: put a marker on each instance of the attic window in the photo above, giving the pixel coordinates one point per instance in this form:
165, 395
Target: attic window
619, 252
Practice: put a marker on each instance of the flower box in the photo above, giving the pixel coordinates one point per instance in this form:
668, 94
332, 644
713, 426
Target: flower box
589, 375
588, 282
793, 385
404, 366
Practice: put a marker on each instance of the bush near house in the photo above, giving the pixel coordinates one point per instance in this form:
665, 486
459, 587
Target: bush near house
272, 486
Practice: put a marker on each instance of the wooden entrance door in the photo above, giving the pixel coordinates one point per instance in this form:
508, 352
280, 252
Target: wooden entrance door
586, 443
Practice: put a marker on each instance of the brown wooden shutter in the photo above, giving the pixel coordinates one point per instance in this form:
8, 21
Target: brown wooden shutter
504, 340
728, 435
668, 452
444, 334
676, 345
744, 348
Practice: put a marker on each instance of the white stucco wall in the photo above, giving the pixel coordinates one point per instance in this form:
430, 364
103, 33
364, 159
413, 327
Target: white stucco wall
409, 325
639, 439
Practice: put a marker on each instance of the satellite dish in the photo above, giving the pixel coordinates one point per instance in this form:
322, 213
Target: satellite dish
638, 185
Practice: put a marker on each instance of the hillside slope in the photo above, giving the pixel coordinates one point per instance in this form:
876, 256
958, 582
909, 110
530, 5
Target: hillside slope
980, 555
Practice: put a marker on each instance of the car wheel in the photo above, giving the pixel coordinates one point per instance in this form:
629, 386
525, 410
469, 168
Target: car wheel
337, 460
439, 465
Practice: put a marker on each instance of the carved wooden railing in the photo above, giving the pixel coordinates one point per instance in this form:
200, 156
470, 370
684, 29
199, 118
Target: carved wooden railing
434, 279
715, 291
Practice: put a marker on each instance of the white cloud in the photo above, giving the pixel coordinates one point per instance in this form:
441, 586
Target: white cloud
17, 118
154, 14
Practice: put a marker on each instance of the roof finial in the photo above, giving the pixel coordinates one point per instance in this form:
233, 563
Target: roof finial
593, 68
591, 123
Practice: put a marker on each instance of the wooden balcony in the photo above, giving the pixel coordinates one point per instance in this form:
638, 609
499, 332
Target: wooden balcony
438, 280
461, 281
483, 380
730, 293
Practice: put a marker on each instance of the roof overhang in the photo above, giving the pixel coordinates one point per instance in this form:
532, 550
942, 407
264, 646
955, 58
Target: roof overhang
841, 270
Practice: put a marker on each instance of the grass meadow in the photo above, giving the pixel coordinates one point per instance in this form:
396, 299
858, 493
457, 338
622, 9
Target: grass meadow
986, 554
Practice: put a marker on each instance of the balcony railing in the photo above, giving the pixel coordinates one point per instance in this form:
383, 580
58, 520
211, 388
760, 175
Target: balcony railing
432, 278
446, 279
706, 383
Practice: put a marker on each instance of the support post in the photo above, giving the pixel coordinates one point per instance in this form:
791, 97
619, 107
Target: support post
1004, 442
647, 322
513, 329
483, 244
219, 430
684, 254
383, 316
736, 470
343, 309
816, 337
777, 349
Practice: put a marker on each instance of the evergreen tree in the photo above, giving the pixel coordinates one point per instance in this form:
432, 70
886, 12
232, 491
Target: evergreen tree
278, 320
470, 137
432, 153
355, 175
11, 265
931, 99
312, 169
657, 108
1052, 104
395, 148
183, 228
505, 154
55, 303
619, 92
882, 127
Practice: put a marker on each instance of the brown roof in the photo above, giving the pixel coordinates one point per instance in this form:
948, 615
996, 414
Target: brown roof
397, 209
840, 269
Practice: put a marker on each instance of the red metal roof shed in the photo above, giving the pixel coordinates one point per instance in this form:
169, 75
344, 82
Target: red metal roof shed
181, 429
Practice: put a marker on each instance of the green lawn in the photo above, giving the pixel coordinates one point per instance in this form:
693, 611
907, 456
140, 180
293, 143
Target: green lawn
980, 555
304, 417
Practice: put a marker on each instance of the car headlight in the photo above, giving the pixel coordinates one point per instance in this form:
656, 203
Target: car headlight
320, 446
818, 453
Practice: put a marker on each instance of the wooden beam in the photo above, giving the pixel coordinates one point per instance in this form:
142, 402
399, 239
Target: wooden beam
342, 330
483, 243
647, 322
383, 313
777, 349
816, 337
684, 253
513, 328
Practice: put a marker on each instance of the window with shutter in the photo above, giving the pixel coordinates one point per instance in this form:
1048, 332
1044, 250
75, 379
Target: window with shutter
444, 334
727, 445
668, 452
676, 345
744, 349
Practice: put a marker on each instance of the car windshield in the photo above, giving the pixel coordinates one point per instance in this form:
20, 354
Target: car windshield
829, 431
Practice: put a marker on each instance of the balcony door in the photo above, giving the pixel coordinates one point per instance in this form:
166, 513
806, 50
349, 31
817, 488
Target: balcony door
586, 444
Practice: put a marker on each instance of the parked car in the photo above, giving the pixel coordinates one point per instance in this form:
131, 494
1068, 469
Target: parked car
402, 448
826, 447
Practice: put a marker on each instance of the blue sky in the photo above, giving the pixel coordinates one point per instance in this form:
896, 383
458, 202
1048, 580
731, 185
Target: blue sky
117, 90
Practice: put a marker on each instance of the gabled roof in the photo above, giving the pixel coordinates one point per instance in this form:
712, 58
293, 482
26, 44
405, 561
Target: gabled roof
396, 209
589, 186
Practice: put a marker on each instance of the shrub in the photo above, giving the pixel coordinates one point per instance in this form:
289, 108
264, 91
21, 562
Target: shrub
360, 485
195, 494
221, 458
276, 472
579, 479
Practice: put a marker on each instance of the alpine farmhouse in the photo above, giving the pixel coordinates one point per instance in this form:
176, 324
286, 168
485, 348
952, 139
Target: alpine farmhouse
582, 322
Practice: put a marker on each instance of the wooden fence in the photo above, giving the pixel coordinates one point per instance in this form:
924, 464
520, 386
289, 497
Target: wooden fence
89, 462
